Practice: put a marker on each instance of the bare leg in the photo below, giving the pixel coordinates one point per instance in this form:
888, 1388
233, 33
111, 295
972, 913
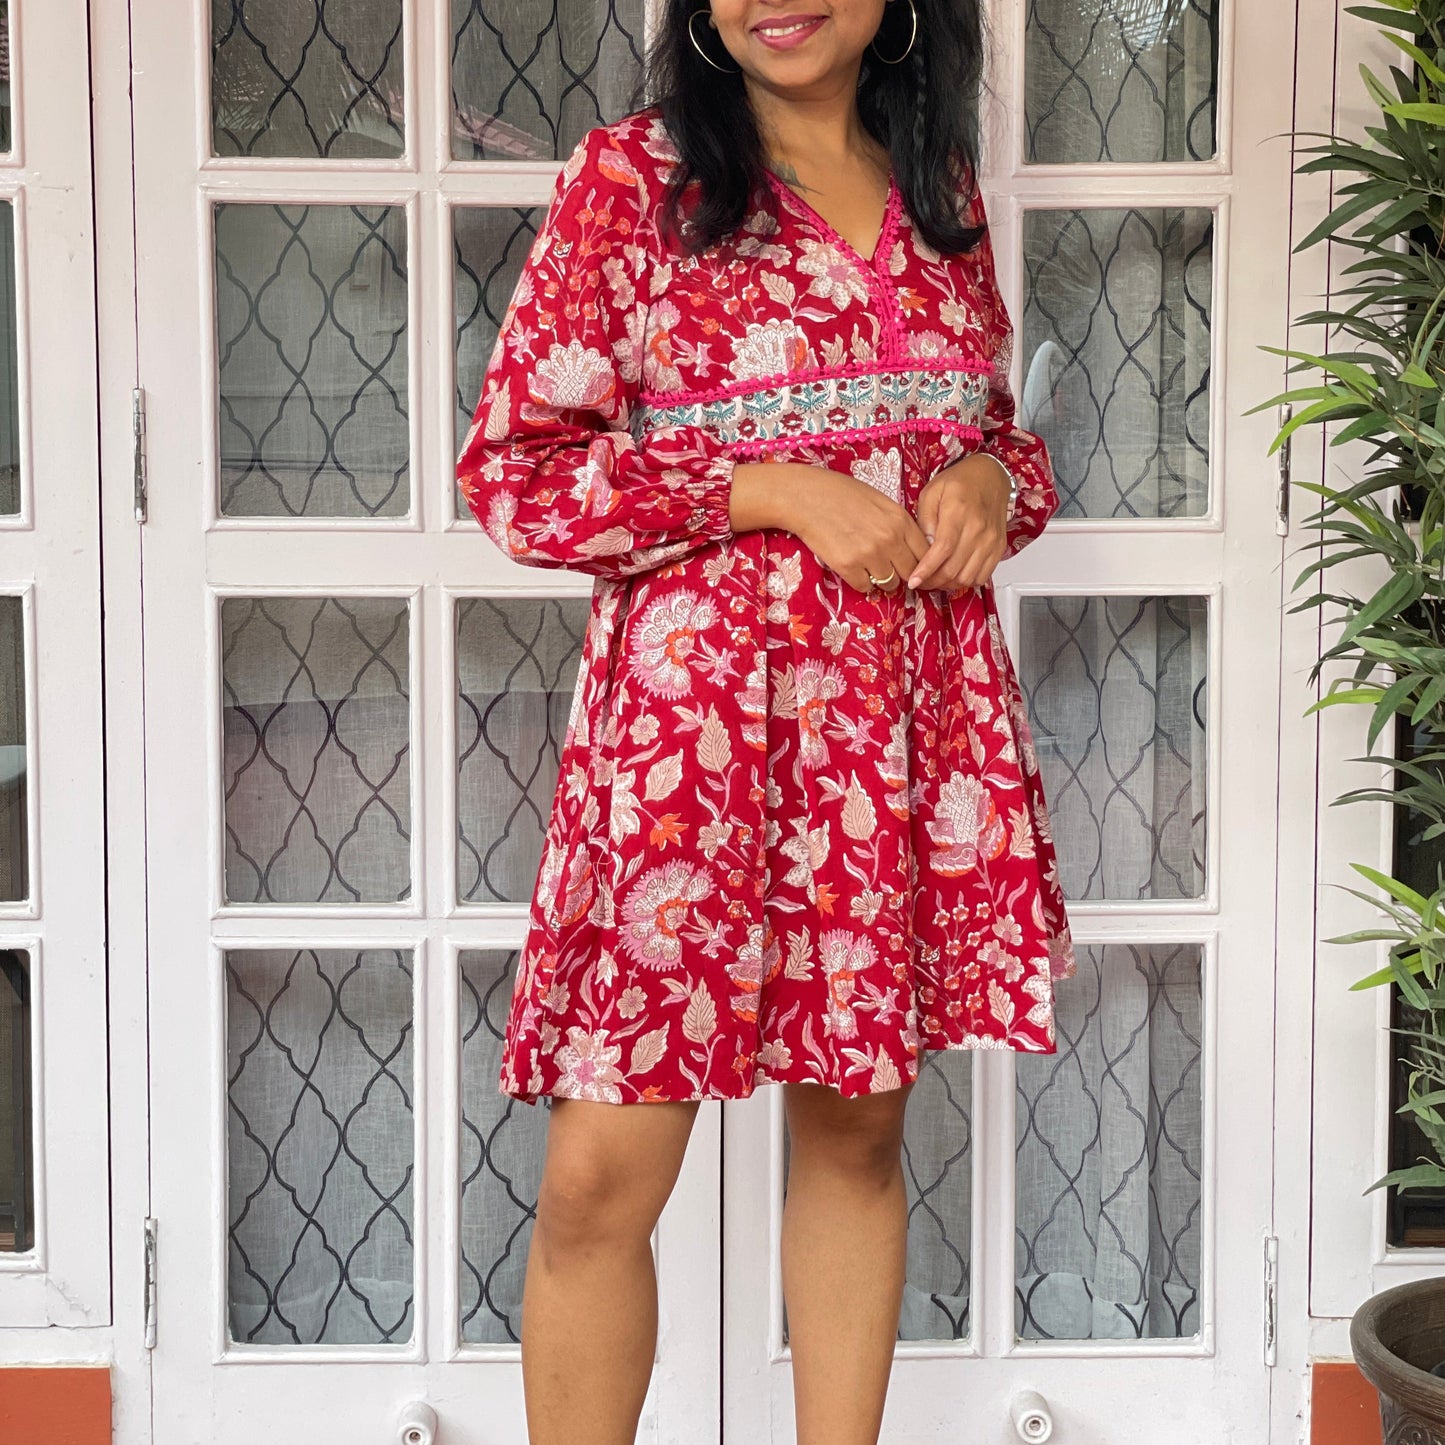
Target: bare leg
589, 1307
844, 1244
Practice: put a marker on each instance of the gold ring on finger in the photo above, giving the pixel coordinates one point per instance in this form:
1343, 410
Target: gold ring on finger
884, 581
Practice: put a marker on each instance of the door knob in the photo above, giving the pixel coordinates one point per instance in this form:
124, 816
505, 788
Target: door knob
1033, 1420
417, 1424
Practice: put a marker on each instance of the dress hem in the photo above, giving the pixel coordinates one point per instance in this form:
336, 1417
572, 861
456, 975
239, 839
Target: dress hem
762, 1078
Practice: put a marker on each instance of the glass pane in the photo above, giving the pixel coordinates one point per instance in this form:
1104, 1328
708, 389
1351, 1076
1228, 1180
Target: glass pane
1415, 1217
9, 366
517, 666
490, 246
306, 78
1120, 80
503, 1142
531, 77
14, 790
1109, 1153
1116, 346
315, 736
5, 124
311, 321
938, 1175
319, 1146
1116, 692
17, 1183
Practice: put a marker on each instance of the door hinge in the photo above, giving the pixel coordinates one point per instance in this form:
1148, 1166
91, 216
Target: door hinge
150, 1284
1271, 1298
138, 429
1286, 451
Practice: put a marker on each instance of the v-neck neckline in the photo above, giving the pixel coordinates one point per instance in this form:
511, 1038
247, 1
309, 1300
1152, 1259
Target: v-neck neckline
885, 231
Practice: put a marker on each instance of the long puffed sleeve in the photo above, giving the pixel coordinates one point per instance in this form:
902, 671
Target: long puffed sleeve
549, 466
1023, 453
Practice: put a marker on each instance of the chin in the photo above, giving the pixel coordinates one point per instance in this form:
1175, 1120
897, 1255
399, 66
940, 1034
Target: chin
796, 71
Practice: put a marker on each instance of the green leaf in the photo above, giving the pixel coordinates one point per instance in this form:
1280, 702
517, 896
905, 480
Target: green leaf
1356, 694
1400, 892
1427, 65
1436, 1096
1405, 982
1413, 375
1379, 93
1347, 371
1430, 698
1393, 700
1341, 216
1291, 398
1402, 590
1379, 978
1340, 402
1392, 220
1371, 423
1427, 113
1419, 1176
1405, 19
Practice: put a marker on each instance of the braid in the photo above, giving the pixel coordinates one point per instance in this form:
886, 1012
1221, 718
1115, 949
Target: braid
920, 103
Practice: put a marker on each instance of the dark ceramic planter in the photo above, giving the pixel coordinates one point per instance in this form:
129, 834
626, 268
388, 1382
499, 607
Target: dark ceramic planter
1398, 1337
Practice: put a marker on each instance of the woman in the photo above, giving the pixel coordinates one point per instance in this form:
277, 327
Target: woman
754, 379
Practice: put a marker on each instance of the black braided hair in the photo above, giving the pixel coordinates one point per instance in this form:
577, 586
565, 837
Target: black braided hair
920, 109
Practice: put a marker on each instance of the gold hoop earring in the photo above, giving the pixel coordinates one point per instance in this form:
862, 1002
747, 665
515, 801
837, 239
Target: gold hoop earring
913, 35
691, 35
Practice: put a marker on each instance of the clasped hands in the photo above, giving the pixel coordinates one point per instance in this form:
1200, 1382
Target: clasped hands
953, 542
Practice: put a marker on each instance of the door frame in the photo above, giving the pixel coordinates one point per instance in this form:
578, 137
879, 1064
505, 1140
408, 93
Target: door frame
124, 1345
52, 561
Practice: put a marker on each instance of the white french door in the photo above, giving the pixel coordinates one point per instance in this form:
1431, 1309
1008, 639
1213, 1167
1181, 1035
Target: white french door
54, 1246
1088, 1230
355, 706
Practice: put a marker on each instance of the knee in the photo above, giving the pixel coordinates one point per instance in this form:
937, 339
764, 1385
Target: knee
870, 1155
588, 1203
861, 1139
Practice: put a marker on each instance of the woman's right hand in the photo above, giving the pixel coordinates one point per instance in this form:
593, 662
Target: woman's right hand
849, 526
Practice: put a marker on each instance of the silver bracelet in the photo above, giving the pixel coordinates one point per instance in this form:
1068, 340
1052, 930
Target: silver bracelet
1013, 485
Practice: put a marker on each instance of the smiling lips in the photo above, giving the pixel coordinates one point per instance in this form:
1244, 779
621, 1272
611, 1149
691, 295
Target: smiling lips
783, 32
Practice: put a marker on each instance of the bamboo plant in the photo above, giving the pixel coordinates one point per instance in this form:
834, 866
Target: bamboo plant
1382, 384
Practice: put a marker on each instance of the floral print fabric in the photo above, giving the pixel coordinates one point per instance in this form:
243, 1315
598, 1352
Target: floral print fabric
798, 833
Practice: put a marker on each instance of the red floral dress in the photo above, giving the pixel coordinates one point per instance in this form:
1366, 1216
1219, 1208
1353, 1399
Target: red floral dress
798, 833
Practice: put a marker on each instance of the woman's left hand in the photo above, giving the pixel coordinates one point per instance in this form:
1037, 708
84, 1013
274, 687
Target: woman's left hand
964, 511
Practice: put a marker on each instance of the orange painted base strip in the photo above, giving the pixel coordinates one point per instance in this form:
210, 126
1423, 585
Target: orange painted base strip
1344, 1408
66, 1406
62, 1406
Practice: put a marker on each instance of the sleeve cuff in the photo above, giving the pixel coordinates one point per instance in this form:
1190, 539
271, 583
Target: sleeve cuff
715, 499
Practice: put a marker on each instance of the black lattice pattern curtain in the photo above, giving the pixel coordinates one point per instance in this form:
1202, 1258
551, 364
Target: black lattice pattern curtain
1116, 349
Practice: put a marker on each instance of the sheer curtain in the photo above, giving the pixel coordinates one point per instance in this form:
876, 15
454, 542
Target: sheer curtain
14, 845
1116, 351
320, 1146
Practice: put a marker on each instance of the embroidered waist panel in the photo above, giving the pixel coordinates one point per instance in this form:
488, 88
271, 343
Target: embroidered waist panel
761, 414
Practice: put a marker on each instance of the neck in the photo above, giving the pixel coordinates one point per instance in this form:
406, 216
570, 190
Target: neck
824, 126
